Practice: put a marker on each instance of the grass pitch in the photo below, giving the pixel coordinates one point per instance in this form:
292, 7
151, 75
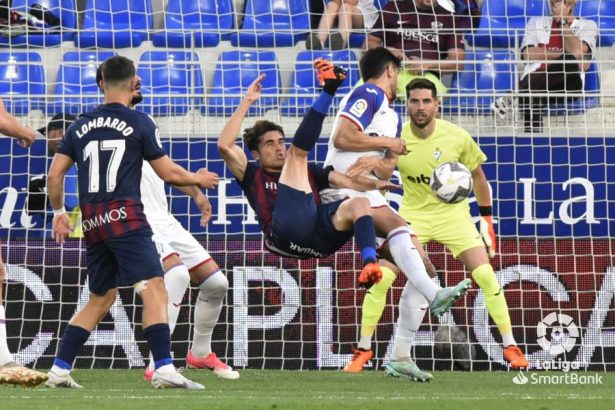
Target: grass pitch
273, 389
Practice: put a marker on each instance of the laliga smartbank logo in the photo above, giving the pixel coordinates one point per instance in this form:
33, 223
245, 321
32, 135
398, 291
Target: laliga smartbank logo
557, 333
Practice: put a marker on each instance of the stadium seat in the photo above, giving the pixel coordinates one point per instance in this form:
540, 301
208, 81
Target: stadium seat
582, 104
115, 23
65, 10
304, 83
603, 13
205, 21
487, 72
502, 22
234, 72
76, 90
167, 80
273, 23
22, 82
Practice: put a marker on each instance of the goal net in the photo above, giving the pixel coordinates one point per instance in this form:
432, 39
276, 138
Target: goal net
553, 189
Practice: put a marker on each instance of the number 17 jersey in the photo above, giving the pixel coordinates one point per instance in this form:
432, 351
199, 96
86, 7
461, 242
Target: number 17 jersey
109, 145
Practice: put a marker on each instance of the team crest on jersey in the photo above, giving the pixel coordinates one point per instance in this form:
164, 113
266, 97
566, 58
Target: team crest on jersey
437, 154
358, 108
436, 25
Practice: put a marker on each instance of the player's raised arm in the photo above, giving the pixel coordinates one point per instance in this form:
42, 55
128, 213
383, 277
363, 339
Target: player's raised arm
233, 155
174, 174
10, 127
61, 226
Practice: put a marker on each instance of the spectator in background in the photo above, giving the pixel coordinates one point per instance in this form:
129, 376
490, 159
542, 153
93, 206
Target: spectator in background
38, 205
467, 12
350, 14
558, 50
422, 34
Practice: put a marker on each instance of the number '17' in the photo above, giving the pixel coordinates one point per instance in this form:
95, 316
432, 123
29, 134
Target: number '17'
91, 151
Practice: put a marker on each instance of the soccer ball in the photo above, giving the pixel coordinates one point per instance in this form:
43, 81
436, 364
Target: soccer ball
451, 182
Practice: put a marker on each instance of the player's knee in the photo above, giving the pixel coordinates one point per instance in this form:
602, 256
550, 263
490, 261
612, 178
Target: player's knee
215, 286
360, 207
177, 274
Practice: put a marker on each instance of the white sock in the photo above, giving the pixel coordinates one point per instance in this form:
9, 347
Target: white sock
206, 312
5, 355
365, 342
508, 339
412, 309
59, 371
409, 261
176, 281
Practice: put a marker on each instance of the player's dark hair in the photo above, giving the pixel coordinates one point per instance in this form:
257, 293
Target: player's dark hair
421, 84
136, 98
117, 69
252, 136
375, 62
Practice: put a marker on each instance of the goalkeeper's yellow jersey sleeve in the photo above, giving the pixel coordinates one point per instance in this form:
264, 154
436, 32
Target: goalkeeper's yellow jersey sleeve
448, 142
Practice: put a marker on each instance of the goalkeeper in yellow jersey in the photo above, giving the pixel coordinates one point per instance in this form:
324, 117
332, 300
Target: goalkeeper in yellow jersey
431, 142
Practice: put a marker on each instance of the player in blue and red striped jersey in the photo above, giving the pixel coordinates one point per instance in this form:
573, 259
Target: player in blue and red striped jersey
282, 187
109, 145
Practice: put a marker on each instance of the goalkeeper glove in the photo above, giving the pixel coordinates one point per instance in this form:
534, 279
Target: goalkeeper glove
486, 230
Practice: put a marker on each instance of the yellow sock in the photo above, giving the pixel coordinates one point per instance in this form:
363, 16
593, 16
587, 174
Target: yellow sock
494, 301
373, 306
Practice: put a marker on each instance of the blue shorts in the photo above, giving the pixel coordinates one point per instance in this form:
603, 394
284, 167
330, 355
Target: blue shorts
302, 229
123, 261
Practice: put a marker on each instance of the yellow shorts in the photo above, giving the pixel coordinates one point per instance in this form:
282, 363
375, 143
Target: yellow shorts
457, 233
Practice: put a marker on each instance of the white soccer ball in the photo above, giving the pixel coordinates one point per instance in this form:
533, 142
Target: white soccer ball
451, 182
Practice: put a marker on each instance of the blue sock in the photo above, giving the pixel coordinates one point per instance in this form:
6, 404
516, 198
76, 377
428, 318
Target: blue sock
365, 235
322, 103
309, 130
73, 339
158, 338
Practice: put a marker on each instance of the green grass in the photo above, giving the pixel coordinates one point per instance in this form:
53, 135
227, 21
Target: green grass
272, 389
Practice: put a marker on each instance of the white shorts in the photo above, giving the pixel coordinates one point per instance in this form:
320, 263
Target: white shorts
376, 199
173, 239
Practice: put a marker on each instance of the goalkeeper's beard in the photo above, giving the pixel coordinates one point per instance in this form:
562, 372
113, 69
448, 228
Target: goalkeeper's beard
421, 123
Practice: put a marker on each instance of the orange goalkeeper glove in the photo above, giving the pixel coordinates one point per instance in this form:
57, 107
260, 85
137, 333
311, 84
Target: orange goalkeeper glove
486, 230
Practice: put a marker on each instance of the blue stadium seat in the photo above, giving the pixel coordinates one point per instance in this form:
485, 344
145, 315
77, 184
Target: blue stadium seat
490, 72
76, 90
234, 72
167, 80
603, 13
502, 22
305, 84
22, 82
582, 104
273, 23
205, 21
115, 23
65, 10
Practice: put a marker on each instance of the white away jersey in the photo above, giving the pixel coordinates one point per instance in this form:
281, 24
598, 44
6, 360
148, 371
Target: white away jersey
367, 106
153, 197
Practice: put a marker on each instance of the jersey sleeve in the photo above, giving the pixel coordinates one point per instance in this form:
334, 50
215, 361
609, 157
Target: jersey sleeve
471, 156
152, 147
248, 176
320, 175
362, 105
588, 33
67, 145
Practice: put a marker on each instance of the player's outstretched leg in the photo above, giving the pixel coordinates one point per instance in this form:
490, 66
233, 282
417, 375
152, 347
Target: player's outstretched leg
446, 297
210, 299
